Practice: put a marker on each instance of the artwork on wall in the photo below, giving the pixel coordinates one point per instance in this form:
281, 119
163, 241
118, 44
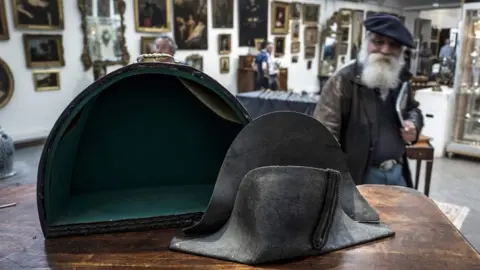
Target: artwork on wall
280, 17
295, 48
311, 12
224, 43
294, 59
4, 34
311, 35
279, 46
46, 80
152, 15
309, 64
295, 30
103, 8
6, 84
309, 52
253, 21
196, 61
191, 24
43, 50
146, 44
224, 64
295, 10
222, 13
258, 44
29, 15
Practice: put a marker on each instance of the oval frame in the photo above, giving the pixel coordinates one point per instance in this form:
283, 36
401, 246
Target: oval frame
9, 73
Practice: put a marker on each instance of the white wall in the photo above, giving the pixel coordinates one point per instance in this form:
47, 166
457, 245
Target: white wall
31, 114
442, 18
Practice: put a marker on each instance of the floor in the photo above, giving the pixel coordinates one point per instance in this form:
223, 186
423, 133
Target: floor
455, 181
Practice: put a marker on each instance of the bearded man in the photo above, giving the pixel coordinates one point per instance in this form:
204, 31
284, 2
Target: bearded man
357, 105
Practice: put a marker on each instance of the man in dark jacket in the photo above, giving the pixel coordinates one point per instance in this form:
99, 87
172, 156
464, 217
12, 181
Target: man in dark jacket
357, 105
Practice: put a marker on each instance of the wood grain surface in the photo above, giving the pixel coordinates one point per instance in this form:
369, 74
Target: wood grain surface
424, 239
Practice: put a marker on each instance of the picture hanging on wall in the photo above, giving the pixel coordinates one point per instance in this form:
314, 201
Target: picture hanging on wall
152, 15
295, 10
222, 13
196, 61
258, 44
311, 35
280, 18
146, 44
224, 64
295, 47
47, 80
191, 24
253, 21
6, 84
295, 30
279, 46
29, 15
43, 50
294, 59
311, 12
103, 8
4, 34
309, 52
224, 43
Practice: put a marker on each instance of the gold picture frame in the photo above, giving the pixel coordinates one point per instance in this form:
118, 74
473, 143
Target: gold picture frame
168, 19
6, 94
44, 60
224, 43
295, 47
145, 42
279, 46
46, 80
55, 14
4, 33
280, 17
310, 52
258, 43
195, 60
224, 65
311, 13
310, 35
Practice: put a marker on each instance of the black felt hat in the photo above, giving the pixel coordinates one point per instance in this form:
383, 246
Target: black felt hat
284, 180
389, 26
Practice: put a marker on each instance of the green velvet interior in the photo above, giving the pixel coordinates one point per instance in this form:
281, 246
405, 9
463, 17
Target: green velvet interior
143, 147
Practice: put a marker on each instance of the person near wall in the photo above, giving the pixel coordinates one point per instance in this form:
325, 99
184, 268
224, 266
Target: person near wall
425, 54
446, 51
357, 105
261, 66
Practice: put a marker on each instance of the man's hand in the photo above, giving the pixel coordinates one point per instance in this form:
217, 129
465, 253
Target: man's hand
409, 132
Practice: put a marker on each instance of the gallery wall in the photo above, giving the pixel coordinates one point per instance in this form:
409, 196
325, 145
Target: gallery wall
31, 114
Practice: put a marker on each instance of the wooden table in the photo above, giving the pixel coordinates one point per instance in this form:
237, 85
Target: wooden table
424, 239
422, 151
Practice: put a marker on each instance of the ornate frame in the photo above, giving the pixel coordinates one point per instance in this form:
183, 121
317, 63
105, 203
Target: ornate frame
153, 29
286, 25
229, 41
85, 57
220, 65
195, 57
310, 6
279, 54
28, 58
7, 69
61, 20
312, 28
145, 40
295, 47
48, 88
3, 22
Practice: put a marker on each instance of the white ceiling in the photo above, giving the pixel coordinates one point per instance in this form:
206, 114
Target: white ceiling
427, 2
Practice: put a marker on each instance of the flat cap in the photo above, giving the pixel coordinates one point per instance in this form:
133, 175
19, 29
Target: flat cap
389, 26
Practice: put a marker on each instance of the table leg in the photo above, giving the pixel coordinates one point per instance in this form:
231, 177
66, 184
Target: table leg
428, 177
417, 172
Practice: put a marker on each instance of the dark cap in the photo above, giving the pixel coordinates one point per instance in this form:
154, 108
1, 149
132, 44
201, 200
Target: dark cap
389, 26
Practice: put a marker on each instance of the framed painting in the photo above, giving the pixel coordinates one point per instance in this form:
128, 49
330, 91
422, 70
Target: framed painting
146, 44
7, 84
309, 52
311, 35
311, 13
45, 16
222, 13
258, 44
224, 65
295, 47
46, 80
4, 34
224, 43
294, 59
191, 24
152, 15
196, 61
43, 50
295, 30
295, 10
279, 46
252, 21
103, 8
280, 17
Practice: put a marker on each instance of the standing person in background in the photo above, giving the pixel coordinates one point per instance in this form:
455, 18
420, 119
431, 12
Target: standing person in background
446, 51
261, 66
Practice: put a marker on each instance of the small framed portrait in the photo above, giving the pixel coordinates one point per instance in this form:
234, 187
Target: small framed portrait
152, 15
224, 65
46, 80
6, 84
222, 13
295, 30
39, 15
295, 10
311, 35
294, 59
311, 13
258, 44
280, 17
309, 64
103, 8
310, 52
279, 46
147, 45
295, 47
196, 61
4, 34
43, 50
224, 43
